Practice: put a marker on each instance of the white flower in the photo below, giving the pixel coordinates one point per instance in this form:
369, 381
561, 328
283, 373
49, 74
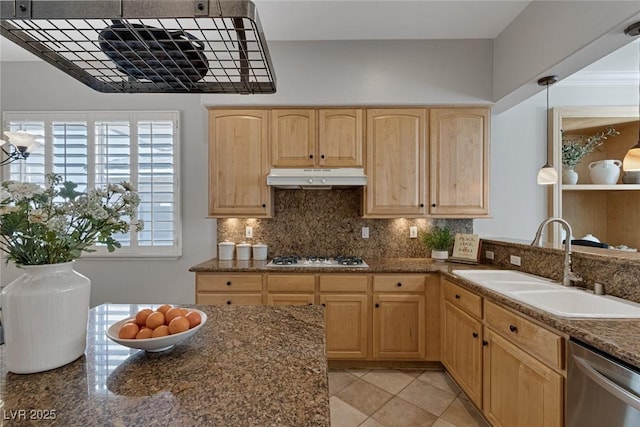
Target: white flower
57, 224
37, 216
115, 188
4, 194
8, 209
24, 190
128, 186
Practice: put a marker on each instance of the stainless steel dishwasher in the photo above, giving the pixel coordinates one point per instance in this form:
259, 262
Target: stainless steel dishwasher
601, 391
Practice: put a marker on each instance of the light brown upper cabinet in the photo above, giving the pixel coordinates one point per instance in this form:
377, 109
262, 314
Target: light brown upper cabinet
459, 160
396, 149
239, 163
316, 138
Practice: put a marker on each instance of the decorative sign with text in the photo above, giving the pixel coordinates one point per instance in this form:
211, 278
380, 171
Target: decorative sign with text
466, 248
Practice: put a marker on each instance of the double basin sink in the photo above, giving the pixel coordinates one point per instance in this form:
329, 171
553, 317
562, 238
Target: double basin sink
551, 296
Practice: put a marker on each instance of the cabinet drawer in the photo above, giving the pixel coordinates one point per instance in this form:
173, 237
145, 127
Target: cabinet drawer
343, 283
290, 299
398, 283
463, 299
291, 283
229, 299
529, 336
228, 282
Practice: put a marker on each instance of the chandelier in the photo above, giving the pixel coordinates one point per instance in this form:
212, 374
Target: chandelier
18, 146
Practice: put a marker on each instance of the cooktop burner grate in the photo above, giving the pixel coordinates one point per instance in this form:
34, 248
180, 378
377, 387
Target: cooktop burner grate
134, 46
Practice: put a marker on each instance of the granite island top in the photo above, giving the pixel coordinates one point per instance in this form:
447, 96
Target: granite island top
617, 337
248, 365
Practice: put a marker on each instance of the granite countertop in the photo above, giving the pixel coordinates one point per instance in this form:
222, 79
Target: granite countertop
248, 365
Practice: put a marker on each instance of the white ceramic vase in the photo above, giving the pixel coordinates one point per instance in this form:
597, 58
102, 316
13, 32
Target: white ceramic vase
569, 176
440, 256
605, 172
44, 316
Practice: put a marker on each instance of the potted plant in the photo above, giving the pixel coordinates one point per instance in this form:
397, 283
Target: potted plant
43, 230
439, 240
574, 148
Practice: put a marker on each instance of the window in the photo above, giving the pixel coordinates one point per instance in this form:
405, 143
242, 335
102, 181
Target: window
98, 148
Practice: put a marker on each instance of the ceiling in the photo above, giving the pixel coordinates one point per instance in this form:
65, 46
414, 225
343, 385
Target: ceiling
367, 20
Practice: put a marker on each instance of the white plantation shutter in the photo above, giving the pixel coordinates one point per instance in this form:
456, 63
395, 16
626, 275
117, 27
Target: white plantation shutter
98, 148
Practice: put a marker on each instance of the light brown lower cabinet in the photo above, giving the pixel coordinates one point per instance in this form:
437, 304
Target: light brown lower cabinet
346, 320
518, 389
228, 289
290, 289
398, 326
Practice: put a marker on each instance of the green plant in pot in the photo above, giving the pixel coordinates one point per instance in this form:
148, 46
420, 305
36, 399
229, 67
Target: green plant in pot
574, 148
439, 240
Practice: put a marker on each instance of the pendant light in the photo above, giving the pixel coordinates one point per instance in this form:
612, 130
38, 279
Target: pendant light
631, 160
547, 175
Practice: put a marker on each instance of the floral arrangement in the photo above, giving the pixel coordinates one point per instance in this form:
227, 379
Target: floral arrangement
437, 238
55, 224
575, 148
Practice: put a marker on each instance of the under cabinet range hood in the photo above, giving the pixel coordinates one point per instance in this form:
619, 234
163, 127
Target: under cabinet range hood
146, 46
316, 179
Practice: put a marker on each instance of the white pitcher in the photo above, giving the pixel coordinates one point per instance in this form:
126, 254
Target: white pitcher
605, 172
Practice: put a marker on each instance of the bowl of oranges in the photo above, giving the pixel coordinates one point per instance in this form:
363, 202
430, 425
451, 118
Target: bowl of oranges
159, 329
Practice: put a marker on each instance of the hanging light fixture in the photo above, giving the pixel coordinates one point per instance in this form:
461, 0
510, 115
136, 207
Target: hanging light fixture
547, 175
631, 160
19, 146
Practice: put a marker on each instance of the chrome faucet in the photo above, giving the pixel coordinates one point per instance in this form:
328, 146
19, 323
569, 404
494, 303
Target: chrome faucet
568, 276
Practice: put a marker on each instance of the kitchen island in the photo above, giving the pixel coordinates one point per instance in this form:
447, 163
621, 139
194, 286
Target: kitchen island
248, 365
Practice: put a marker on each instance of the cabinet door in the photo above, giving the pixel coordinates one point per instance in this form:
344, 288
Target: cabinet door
340, 138
518, 389
459, 155
239, 163
293, 138
462, 350
395, 163
398, 327
346, 320
290, 299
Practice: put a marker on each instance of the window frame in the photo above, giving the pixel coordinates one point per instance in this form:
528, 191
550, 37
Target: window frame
133, 117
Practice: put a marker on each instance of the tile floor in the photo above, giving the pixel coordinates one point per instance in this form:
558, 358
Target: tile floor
402, 398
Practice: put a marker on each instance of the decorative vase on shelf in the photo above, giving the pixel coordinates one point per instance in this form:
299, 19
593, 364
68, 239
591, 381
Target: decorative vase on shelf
440, 256
569, 176
44, 316
605, 172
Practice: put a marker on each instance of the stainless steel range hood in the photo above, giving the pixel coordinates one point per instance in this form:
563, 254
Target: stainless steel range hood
316, 179
146, 46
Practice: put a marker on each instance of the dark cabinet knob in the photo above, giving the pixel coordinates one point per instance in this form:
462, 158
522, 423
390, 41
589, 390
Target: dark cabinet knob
322, 156
310, 303
513, 328
433, 205
457, 296
229, 302
229, 283
485, 343
311, 156
399, 284
422, 205
475, 334
324, 305
264, 205
377, 305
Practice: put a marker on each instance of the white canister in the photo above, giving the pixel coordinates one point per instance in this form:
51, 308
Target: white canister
260, 252
605, 172
225, 250
243, 251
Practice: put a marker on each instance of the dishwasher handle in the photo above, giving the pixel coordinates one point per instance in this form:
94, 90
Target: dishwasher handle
614, 389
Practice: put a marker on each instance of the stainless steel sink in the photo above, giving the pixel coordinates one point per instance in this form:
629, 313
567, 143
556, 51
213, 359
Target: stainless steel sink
550, 296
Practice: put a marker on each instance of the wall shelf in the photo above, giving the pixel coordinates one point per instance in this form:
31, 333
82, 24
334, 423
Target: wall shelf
597, 187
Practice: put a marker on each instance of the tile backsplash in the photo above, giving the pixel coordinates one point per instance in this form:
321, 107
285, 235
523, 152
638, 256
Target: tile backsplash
328, 222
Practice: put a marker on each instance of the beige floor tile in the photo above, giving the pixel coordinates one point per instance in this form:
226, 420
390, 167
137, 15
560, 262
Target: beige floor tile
440, 379
415, 373
390, 380
441, 423
357, 372
462, 413
344, 415
370, 422
427, 397
399, 413
339, 380
364, 396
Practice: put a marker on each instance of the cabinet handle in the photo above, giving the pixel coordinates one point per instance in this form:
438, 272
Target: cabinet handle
513, 329
485, 343
324, 305
422, 205
229, 302
457, 296
475, 334
311, 156
377, 305
310, 303
229, 283
399, 284
264, 205
433, 205
322, 156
